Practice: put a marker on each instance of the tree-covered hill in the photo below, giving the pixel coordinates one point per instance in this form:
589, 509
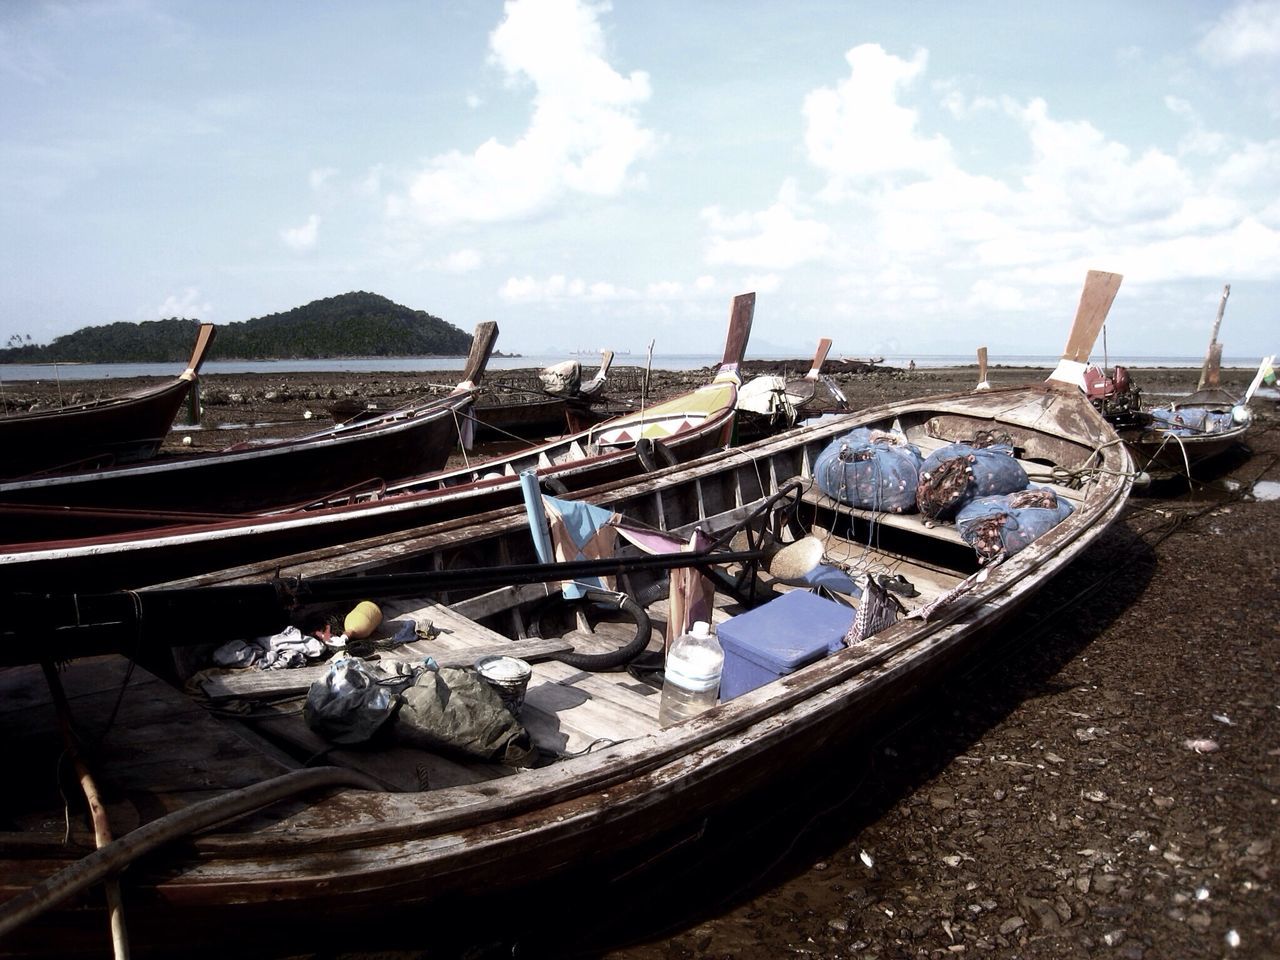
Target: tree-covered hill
349, 325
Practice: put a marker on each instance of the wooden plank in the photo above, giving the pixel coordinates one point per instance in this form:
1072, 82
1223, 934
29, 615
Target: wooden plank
161, 749
247, 683
566, 709
910, 522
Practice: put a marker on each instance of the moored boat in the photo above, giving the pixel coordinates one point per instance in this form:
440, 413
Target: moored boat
113, 430
408, 825
204, 487
86, 547
768, 403
1178, 438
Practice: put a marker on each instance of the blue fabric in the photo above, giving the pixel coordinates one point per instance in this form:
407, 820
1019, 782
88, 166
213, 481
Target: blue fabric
832, 578
1191, 421
866, 469
992, 525
994, 472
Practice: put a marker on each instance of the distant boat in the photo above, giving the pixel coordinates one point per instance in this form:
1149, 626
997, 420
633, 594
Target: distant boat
97, 433
1178, 438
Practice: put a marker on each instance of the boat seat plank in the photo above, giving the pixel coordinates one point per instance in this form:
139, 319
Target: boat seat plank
566, 709
247, 683
910, 522
160, 752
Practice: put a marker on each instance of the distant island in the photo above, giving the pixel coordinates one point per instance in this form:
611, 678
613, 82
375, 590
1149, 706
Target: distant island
355, 324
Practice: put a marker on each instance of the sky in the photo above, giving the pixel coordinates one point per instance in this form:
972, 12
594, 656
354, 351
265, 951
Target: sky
904, 178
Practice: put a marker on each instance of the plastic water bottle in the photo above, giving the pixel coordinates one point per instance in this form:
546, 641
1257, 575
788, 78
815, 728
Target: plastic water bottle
692, 675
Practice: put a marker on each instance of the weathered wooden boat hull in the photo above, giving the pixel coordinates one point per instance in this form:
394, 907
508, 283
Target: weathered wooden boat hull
407, 442
114, 430
429, 827
258, 478
47, 546
1163, 454
135, 557
352, 854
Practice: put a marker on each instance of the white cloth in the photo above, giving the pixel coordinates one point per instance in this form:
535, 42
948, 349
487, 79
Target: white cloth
288, 648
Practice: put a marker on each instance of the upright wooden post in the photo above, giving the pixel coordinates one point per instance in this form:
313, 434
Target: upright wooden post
193, 403
1205, 374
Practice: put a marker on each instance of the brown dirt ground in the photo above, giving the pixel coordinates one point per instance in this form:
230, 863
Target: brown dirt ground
1103, 782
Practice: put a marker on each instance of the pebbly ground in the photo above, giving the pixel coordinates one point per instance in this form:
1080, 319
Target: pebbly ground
1103, 782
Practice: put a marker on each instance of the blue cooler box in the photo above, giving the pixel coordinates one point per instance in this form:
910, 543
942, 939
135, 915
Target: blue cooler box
779, 638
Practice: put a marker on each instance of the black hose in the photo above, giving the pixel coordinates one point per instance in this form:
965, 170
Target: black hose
599, 661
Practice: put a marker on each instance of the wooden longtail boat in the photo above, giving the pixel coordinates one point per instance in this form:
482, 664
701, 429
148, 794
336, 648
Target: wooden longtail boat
113, 430
85, 548
768, 404
401, 443
1180, 437
229, 834
522, 411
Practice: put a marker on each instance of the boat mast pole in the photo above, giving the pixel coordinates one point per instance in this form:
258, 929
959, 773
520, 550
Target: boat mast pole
1213, 337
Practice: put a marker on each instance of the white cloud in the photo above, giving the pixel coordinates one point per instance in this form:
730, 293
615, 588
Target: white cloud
775, 239
664, 290
583, 135
320, 176
190, 305
1248, 31
461, 261
528, 289
1086, 176
304, 237
916, 230
859, 130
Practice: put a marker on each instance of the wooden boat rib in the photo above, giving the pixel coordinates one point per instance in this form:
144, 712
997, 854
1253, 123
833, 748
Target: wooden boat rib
104, 549
401, 443
446, 826
113, 430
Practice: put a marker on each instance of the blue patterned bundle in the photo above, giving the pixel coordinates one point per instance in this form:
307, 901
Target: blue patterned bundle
958, 473
870, 469
1190, 421
1007, 523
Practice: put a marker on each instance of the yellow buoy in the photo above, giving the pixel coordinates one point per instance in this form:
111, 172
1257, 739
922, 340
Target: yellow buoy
362, 621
